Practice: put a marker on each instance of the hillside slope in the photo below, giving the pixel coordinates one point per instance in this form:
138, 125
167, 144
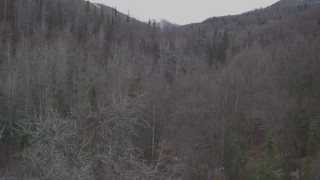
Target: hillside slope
87, 92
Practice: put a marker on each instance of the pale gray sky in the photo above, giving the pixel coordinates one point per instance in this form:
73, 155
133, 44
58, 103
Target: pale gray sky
183, 11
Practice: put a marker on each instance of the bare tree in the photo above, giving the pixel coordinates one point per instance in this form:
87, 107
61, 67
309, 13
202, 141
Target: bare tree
66, 148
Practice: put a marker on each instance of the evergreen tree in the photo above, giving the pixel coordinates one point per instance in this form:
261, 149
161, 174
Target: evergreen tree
60, 103
154, 24
2, 107
3, 122
115, 11
35, 103
235, 149
314, 136
302, 118
128, 17
270, 146
268, 164
210, 53
88, 6
222, 47
93, 99
225, 39
102, 12
134, 88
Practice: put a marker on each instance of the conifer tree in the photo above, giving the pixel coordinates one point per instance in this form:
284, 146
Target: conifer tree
35, 100
93, 99
128, 17
60, 103
115, 11
102, 13
268, 164
88, 6
2, 116
235, 148
314, 136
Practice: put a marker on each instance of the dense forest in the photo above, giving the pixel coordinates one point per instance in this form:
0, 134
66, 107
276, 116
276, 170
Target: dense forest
87, 92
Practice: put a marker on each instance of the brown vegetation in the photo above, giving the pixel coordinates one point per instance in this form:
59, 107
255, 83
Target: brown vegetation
86, 93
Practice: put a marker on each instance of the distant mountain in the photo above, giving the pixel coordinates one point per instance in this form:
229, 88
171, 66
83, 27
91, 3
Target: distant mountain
164, 24
161, 23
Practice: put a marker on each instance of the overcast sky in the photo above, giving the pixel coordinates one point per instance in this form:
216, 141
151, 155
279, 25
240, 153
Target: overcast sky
183, 11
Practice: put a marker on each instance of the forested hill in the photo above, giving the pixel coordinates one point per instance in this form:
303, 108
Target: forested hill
281, 9
88, 92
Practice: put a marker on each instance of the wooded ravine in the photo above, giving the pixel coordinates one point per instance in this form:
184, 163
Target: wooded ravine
87, 92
